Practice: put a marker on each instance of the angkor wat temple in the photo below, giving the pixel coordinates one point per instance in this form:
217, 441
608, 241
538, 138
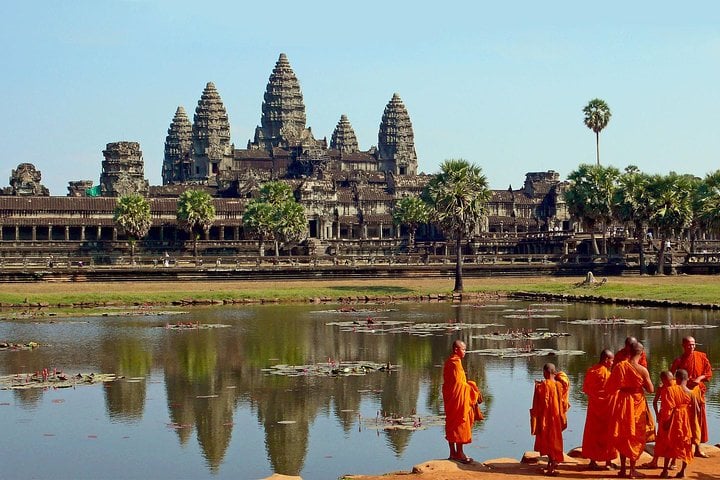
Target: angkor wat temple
348, 193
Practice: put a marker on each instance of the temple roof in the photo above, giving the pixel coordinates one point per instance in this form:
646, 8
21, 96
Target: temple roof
343, 137
396, 137
211, 118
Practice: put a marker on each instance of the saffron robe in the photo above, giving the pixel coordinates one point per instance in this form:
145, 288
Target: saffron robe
596, 443
622, 354
548, 419
678, 427
630, 420
697, 364
459, 397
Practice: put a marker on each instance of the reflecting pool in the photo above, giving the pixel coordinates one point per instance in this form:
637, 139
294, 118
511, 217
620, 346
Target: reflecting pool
202, 403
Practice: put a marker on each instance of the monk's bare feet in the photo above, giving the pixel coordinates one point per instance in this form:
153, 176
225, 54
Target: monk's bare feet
636, 474
622, 474
664, 474
701, 454
680, 474
652, 464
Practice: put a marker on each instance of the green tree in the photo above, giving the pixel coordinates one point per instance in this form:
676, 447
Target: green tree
706, 205
597, 115
670, 208
133, 218
631, 206
589, 198
411, 212
458, 197
195, 214
276, 216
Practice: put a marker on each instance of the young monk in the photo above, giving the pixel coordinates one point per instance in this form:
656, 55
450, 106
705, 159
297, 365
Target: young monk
460, 397
630, 419
548, 418
678, 423
666, 380
596, 436
626, 352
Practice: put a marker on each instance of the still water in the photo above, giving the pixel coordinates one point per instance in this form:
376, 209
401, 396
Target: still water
201, 403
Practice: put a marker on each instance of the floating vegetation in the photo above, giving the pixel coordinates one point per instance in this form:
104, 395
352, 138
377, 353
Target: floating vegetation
522, 335
52, 379
330, 369
532, 315
532, 311
359, 311
608, 321
405, 327
410, 422
18, 346
193, 326
524, 352
677, 326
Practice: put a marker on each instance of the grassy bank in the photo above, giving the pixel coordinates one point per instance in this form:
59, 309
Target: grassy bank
701, 289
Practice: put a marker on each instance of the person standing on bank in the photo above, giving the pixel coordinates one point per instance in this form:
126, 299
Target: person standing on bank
548, 418
699, 372
596, 436
460, 398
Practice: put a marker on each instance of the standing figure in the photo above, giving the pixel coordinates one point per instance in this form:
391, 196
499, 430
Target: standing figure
678, 424
596, 443
548, 418
626, 352
666, 380
699, 372
460, 397
630, 420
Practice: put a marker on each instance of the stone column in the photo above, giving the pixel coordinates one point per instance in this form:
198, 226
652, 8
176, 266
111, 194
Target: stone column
1, 232
50, 233
99, 232
17, 232
162, 233
114, 234
236, 233
67, 233
221, 232
82, 233
34, 233
381, 231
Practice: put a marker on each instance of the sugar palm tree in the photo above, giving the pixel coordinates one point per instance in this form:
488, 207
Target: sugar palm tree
631, 205
195, 213
132, 216
670, 208
706, 203
589, 197
458, 197
597, 115
412, 212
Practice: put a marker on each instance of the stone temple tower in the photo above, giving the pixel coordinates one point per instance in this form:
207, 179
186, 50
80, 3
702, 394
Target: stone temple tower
396, 141
123, 170
212, 150
177, 163
343, 137
283, 112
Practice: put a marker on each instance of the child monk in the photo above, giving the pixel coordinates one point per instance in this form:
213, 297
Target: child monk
548, 418
666, 379
678, 423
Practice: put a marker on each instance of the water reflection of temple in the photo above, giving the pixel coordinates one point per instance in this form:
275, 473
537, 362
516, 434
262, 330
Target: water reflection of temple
348, 193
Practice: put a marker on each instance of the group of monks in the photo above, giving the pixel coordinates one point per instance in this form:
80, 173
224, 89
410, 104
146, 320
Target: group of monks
618, 422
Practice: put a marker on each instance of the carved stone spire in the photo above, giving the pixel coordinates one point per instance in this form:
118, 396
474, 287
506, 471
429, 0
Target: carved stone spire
396, 141
177, 164
283, 111
343, 137
212, 150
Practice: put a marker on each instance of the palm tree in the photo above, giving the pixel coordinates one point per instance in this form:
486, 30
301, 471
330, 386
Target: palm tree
670, 208
631, 206
195, 214
132, 216
706, 204
589, 198
412, 212
458, 196
597, 115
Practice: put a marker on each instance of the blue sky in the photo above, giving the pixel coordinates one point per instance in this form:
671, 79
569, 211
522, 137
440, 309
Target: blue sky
501, 84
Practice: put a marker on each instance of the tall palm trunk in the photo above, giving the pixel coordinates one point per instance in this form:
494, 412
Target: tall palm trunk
640, 240
597, 146
661, 255
458, 265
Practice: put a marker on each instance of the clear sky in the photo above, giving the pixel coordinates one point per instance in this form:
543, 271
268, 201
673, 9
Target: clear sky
501, 84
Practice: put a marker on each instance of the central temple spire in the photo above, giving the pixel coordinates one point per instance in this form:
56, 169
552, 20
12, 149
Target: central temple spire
283, 111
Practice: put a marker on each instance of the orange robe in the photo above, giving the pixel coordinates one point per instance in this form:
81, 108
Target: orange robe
697, 364
596, 443
678, 429
630, 420
548, 419
459, 397
621, 355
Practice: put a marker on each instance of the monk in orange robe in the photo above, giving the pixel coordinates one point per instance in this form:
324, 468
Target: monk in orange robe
626, 352
666, 380
678, 428
699, 372
460, 397
596, 437
630, 420
548, 418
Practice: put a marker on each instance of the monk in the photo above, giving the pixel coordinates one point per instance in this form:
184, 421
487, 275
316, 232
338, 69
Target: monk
699, 372
630, 419
548, 418
626, 352
596, 436
678, 424
666, 380
460, 396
